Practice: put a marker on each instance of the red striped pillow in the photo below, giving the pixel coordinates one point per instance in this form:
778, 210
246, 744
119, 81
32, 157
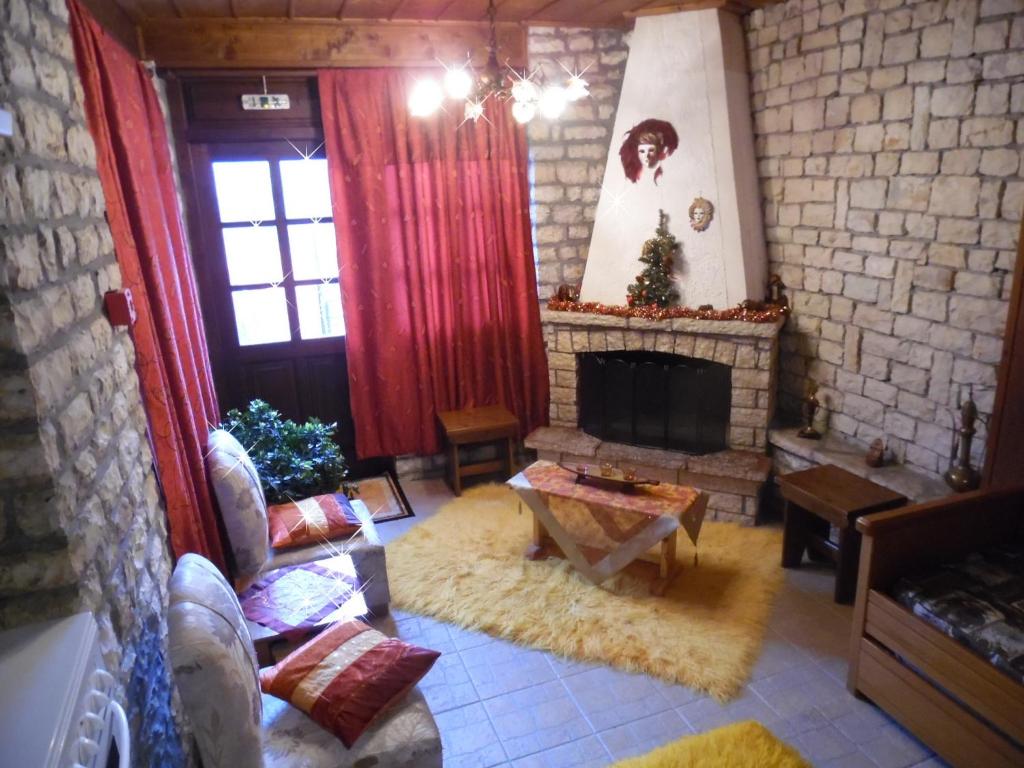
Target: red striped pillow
345, 677
311, 520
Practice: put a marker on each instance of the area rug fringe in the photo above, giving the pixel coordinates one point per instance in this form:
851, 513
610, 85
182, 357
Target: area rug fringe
465, 565
740, 745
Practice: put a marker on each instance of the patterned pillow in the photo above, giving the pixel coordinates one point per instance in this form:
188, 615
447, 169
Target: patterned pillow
311, 520
347, 676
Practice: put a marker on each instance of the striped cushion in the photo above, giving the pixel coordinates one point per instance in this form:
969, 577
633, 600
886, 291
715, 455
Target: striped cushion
312, 520
347, 676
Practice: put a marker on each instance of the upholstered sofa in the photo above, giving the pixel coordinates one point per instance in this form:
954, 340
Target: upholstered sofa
938, 629
235, 725
243, 509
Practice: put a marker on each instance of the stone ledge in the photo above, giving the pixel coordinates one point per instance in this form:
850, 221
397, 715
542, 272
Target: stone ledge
733, 479
832, 449
728, 328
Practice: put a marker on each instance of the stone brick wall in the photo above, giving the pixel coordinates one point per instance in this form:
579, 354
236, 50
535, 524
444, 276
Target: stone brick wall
569, 154
889, 141
81, 520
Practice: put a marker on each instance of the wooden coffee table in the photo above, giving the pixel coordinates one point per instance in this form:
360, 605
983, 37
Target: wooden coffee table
828, 495
633, 523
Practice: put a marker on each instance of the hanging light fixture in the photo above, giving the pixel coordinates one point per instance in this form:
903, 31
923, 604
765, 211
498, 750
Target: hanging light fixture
494, 82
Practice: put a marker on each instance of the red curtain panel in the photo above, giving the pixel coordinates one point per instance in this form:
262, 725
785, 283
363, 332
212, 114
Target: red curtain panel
134, 163
436, 253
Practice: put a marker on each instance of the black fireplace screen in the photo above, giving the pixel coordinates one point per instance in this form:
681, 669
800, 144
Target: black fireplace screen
655, 399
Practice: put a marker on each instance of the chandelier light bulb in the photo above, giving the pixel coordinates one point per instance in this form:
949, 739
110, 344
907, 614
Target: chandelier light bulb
576, 89
474, 110
525, 90
425, 98
458, 83
553, 101
523, 111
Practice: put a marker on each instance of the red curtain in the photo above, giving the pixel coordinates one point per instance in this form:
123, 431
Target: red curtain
437, 274
134, 163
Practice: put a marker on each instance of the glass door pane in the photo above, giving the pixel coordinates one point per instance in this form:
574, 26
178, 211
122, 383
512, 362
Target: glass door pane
307, 194
320, 310
253, 254
261, 316
314, 251
243, 190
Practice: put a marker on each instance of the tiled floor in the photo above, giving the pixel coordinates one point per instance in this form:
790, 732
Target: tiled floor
498, 704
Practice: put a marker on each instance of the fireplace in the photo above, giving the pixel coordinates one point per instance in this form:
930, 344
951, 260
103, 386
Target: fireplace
684, 401
655, 399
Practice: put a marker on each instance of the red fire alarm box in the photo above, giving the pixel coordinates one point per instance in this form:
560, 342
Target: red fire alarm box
120, 307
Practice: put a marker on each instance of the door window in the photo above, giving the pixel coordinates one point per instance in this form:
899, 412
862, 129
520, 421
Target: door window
280, 249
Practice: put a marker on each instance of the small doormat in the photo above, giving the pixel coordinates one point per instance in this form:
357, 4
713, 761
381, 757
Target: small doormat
384, 498
465, 565
740, 745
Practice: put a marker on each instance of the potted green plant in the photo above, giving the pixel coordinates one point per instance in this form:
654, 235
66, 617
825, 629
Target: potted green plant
294, 461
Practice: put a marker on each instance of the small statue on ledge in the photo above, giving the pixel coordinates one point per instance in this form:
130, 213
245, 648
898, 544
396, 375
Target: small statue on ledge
568, 292
775, 295
875, 457
809, 408
963, 477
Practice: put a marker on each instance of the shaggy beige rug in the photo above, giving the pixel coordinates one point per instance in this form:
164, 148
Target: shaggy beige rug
465, 565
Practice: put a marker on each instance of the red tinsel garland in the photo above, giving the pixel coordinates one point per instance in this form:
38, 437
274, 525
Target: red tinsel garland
653, 312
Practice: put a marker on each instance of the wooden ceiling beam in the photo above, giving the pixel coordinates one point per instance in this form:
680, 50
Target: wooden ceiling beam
310, 43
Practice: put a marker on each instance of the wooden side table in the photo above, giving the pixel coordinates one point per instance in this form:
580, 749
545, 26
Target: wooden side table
489, 423
828, 495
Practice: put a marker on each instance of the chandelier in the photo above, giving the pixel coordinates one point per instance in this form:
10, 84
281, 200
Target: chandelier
528, 97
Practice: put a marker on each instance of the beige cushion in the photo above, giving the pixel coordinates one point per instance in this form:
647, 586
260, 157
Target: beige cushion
214, 665
243, 507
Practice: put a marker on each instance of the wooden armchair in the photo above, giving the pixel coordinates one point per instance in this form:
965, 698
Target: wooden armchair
965, 709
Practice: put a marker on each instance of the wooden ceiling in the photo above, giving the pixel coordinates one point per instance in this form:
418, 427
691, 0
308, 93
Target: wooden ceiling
303, 34
583, 13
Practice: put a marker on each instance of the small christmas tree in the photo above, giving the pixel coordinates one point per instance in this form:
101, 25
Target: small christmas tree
654, 285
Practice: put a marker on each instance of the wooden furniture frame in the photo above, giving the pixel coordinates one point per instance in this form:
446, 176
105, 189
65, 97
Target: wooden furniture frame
828, 495
969, 712
487, 424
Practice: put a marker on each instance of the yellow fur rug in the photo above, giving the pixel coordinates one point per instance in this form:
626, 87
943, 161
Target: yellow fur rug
465, 565
740, 745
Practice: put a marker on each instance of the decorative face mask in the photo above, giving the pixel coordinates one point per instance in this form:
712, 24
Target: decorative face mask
648, 155
701, 213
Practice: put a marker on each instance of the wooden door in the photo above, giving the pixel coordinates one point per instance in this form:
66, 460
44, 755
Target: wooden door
264, 250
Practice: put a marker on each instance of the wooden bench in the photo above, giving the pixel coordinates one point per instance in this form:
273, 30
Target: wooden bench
487, 424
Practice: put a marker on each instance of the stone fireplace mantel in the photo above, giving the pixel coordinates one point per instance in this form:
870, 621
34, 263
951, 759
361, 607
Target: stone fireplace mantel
734, 477
750, 349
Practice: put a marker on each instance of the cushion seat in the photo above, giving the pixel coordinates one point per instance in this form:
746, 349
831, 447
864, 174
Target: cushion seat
404, 737
977, 601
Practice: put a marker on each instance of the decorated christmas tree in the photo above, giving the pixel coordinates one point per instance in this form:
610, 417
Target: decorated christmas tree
654, 285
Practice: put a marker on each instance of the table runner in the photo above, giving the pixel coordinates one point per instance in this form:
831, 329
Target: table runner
620, 516
625, 525
296, 599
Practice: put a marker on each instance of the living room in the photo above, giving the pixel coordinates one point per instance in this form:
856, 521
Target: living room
512, 382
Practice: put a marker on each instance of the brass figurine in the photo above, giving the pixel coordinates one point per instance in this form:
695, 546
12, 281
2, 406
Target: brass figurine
810, 407
963, 477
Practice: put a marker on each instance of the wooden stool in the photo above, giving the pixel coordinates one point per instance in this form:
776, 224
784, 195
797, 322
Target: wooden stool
487, 424
827, 495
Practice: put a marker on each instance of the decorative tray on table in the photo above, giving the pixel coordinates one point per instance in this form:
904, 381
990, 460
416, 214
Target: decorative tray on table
608, 477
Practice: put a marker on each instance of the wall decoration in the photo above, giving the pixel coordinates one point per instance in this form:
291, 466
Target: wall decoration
654, 286
646, 145
701, 214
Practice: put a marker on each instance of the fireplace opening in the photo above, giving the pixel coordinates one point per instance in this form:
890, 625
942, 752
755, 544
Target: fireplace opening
655, 399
